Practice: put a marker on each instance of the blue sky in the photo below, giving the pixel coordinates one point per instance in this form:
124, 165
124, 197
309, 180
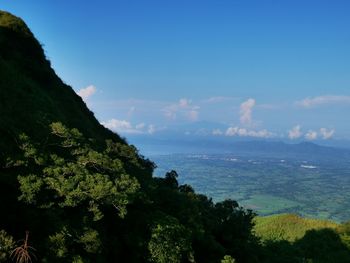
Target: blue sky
252, 69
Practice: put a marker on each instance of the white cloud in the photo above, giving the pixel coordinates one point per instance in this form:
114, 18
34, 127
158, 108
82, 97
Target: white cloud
242, 132
184, 103
321, 100
246, 109
326, 134
311, 135
118, 125
87, 92
217, 132
218, 99
183, 109
295, 132
232, 131
123, 126
151, 129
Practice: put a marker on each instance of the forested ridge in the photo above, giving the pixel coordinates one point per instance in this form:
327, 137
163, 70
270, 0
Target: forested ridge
73, 191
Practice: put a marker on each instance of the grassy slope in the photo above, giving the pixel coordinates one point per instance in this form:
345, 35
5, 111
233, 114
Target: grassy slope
288, 226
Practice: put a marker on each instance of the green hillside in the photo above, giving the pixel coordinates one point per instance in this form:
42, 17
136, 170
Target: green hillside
288, 227
291, 238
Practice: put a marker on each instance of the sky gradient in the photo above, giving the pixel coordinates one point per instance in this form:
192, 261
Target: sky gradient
252, 69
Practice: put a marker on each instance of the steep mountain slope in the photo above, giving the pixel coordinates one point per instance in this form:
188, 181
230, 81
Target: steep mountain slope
31, 94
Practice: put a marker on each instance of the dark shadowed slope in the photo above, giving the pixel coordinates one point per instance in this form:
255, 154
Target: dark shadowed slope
31, 94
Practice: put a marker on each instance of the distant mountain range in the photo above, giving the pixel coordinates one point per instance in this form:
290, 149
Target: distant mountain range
158, 146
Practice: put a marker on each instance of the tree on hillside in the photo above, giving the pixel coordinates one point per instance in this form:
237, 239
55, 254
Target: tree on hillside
7, 245
170, 241
74, 185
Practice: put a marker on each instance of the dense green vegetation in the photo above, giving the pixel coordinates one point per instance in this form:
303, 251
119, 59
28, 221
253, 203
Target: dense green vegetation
81, 204
72, 191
